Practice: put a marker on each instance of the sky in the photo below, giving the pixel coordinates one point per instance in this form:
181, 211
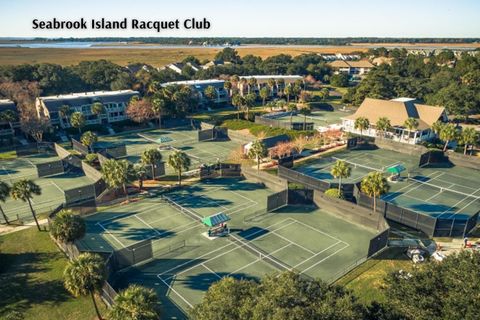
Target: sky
249, 18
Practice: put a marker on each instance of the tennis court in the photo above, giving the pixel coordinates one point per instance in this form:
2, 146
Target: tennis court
446, 193
321, 118
169, 140
361, 162
313, 242
23, 167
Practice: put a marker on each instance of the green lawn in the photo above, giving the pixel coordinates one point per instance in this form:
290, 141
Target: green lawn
367, 280
31, 277
8, 155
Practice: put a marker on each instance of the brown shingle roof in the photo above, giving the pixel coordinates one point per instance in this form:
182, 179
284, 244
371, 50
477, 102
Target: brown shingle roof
351, 64
398, 112
339, 64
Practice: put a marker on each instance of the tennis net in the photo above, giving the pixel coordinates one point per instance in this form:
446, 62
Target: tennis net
159, 140
260, 254
182, 209
443, 189
358, 165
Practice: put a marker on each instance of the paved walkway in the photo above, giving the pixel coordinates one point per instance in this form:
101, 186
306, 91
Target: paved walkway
6, 229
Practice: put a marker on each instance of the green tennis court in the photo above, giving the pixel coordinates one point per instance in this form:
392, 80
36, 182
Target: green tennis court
361, 162
446, 193
321, 118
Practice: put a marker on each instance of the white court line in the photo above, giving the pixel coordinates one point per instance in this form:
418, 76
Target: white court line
148, 225
396, 194
293, 242
469, 203
61, 190
209, 253
319, 231
115, 238
203, 264
211, 201
318, 262
175, 291
259, 259
316, 254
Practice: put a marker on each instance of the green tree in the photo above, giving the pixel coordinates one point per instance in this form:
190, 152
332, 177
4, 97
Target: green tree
77, 120
468, 137
264, 94
179, 161
211, 93
437, 127
238, 101
249, 102
67, 227
227, 85
374, 185
341, 170
257, 151
135, 303
383, 125
288, 91
85, 276
97, 108
271, 85
361, 123
4, 193
448, 133
91, 158
64, 111
158, 107
339, 80
24, 190
88, 138
151, 157
411, 124
251, 82
118, 173
305, 111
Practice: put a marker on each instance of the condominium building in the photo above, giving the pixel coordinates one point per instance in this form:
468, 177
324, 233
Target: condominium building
360, 67
280, 81
200, 85
114, 103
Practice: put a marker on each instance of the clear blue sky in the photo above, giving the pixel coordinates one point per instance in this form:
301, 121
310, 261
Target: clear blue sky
248, 18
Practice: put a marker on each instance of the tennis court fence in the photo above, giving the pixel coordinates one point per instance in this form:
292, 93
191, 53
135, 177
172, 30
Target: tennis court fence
298, 177
50, 168
79, 147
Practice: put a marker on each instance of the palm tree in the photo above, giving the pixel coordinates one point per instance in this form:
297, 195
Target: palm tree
447, 134
238, 101
67, 227
97, 108
227, 85
257, 151
179, 161
468, 137
85, 276
341, 169
249, 101
361, 123
251, 83
271, 84
158, 106
306, 110
25, 190
263, 94
291, 107
437, 127
383, 125
88, 139
4, 193
288, 91
374, 185
64, 111
118, 173
77, 120
280, 84
411, 124
135, 302
243, 82
151, 157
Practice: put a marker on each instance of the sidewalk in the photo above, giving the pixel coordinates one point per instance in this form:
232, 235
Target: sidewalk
6, 229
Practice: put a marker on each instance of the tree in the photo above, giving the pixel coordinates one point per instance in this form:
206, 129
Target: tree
211, 93
238, 101
288, 91
271, 84
249, 101
227, 85
67, 227
158, 107
283, 296
4, 193
374, 185
91, 158
300, 143
65, 112
437, 127
264, 94
88, 138
257, 151
135, 303
339, 80
118, 173
447, 134
140, 110
383, 125
411, 124
77, 120
151, 157
179, 161
25, 190
97, 108
341, 169
140, 173
437, 291
361, 123
85, 276
305, 110
33, 125
251, 82
468, 137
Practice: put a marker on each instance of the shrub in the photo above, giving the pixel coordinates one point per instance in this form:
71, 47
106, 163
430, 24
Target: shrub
334, 193
91, 158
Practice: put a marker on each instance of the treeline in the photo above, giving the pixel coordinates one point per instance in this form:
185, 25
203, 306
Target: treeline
267, 41
440, 80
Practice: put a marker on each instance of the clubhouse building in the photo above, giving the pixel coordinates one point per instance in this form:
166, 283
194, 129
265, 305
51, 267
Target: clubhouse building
397, 111
114, 102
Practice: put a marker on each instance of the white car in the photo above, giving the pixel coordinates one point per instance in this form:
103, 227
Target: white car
438, 256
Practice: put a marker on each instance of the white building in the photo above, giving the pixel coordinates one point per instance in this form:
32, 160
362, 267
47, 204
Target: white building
262, 81
397, 111
200, 85
114, 102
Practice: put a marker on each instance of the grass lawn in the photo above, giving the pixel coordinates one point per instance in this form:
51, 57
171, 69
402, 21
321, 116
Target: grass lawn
367, 280
8, 155
31, 277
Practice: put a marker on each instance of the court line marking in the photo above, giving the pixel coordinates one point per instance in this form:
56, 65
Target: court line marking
457, 211
315, 255
115, 238
293, 243
396, 194
211, 271
258, 259
327, 257
317, 230
175, 291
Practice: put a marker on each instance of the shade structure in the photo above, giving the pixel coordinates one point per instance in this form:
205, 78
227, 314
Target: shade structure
216, 219
397, 169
